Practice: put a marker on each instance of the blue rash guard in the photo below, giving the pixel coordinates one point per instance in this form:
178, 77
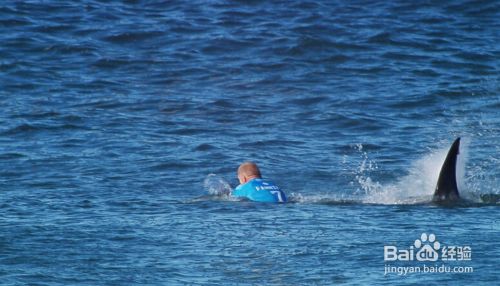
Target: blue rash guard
260, 190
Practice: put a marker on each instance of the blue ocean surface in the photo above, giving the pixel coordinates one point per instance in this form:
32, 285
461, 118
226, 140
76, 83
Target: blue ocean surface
120, 120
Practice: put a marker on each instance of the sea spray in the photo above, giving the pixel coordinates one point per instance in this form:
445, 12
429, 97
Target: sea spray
216, 185
416, 187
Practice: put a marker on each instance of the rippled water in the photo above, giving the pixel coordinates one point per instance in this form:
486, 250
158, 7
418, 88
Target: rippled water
113, 114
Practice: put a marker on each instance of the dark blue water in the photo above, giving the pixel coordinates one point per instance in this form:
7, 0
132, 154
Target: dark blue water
113, 114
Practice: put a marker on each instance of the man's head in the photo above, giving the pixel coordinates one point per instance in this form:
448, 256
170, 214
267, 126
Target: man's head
248, 171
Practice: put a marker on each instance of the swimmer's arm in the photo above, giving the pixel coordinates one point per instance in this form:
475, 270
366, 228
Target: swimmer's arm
239, 191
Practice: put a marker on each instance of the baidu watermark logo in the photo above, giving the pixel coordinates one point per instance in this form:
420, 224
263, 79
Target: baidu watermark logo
427, 249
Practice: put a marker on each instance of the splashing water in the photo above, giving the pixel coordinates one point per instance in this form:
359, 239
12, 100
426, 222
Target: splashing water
419, 185
217, 186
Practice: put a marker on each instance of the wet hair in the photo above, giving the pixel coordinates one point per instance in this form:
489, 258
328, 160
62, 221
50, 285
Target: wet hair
249, 169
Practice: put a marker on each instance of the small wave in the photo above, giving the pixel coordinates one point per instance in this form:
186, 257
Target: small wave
11, 156
204, 147
189, 131
381, 38
24, 129
17, 22
37, 115
128, 37
102, 104
171, 166
111, 63
225, 45
309, 100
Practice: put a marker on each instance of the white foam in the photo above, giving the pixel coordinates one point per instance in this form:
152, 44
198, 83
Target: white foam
216, 185
320, 198
418, 185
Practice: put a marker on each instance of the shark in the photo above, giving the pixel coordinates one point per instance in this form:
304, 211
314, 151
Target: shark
446, 187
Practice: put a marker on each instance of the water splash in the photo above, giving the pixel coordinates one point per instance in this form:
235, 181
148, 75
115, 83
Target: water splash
418, 185
217, 186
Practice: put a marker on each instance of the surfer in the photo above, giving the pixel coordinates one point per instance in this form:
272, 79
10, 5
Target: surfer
253, 187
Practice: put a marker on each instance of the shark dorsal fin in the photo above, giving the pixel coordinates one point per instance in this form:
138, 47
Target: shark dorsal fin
446, 188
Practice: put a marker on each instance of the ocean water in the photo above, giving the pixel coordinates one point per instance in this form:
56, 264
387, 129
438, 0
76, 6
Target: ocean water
114, 114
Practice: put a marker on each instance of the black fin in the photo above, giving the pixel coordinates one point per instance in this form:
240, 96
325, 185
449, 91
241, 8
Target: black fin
446, 188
